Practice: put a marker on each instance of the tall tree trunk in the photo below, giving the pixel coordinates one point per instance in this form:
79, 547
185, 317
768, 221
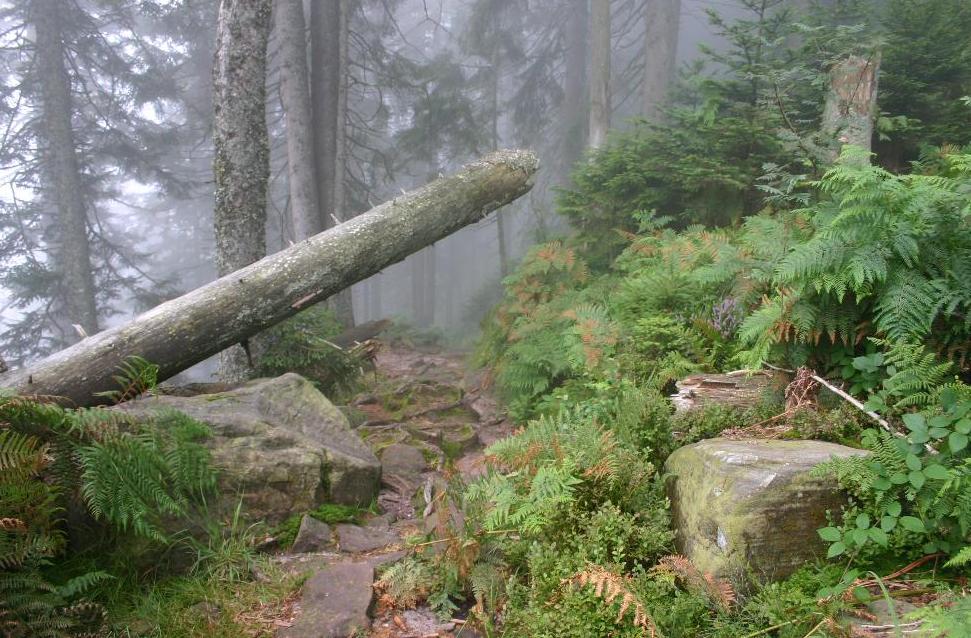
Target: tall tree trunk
295, 94
574, 115
182, 332
662, 24
328, 44
242, 159
851, 103
72, 258
599, 72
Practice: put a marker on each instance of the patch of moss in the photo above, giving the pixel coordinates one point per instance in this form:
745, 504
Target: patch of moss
452, 449
330, 513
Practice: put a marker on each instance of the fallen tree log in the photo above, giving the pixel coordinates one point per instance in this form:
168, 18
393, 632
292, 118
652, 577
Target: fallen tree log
184, 331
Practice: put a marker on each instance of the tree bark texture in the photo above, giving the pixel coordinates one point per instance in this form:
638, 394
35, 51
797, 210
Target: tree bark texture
291, 28
662, 24
180, 333
241, 164
851, 104
599, 72
72, 256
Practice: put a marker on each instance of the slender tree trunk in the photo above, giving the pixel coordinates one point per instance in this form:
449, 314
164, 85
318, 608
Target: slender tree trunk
180, 333
72, 260
496, 90
295, 94
242, 159
329, 43
599, 72
851, 103
574, 113
662, 24
374, 298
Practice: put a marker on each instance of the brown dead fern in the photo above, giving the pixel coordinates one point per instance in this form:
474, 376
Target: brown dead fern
719, 593
611, 587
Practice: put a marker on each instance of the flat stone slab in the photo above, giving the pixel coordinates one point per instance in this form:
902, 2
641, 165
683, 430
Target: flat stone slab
750, 509
355, 539
335, 603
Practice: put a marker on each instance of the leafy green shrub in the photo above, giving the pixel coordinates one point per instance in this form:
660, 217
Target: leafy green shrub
913, 492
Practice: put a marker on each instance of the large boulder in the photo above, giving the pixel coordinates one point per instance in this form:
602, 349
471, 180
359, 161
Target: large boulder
750, 509
278, 444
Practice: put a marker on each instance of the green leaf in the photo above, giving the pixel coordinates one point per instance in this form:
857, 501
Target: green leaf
938, 433
957, 442
878, 536
963, 426
835, 550
898, 478
917, 479
859, 536
894, 509
881, 484
913, 463
830, 534
863, 521
915, 421
936, 472
887, 523
912, 524
920, 437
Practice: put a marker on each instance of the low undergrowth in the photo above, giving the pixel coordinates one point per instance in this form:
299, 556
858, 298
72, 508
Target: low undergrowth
569, 534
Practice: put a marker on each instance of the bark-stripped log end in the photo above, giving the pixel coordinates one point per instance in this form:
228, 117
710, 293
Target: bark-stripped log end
517, 159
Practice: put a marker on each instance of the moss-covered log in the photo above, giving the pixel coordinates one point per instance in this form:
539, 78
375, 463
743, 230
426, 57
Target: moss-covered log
182, 332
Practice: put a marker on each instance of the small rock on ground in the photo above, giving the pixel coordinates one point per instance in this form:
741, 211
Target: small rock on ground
401, 467
312, 536
354, 538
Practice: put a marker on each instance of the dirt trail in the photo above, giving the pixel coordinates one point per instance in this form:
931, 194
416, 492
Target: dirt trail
424, 411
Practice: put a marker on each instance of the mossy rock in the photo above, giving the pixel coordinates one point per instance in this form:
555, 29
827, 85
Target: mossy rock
749, 510
278, 444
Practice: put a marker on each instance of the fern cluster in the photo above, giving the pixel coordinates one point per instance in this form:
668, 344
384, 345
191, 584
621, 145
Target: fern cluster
130, 476
888, 255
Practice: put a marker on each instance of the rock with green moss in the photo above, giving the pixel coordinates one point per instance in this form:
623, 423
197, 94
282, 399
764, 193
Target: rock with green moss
280, 445
749, 510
